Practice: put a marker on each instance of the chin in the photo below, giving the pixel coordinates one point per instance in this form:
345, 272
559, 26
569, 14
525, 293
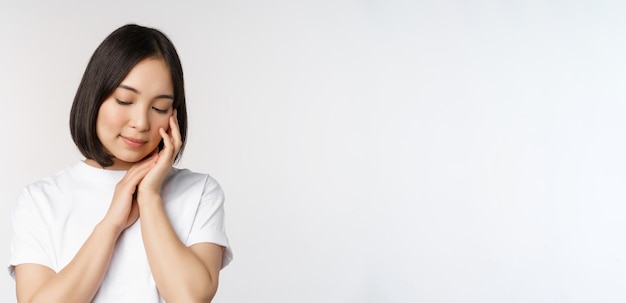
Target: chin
131, 158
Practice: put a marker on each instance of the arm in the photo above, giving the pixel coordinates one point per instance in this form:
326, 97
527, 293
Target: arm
181, 273
80, 279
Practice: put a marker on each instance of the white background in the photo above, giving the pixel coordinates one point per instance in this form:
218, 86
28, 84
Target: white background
371, 151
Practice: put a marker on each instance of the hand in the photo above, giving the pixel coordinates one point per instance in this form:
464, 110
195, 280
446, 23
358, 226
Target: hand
172, 141
123, 211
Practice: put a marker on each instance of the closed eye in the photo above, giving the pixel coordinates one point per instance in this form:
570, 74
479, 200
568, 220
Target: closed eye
160, 111
122, 102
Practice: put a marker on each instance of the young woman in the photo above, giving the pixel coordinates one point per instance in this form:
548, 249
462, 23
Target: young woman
123, 225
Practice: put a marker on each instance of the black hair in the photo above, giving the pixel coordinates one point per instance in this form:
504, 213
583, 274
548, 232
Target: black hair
108, 66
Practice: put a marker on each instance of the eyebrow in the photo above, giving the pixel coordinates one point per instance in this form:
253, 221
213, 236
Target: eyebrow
132, 89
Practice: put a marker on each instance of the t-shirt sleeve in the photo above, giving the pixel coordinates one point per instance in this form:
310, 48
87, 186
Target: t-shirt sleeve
208, 224
30, 241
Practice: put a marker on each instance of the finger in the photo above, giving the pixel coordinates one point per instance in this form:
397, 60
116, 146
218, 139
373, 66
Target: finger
132, 179
175, 133
168, 149
147, 162
138, 171
175, 128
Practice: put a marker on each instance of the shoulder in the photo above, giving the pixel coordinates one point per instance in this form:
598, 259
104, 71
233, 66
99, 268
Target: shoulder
39, 194
191, 180
49, 184
52, 180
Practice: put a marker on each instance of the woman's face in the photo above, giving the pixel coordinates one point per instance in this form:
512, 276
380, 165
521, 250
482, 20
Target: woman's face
129, 120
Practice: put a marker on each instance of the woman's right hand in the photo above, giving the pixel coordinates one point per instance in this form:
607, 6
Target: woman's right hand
123, 211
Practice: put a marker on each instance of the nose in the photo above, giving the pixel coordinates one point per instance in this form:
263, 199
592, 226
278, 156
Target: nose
139, 119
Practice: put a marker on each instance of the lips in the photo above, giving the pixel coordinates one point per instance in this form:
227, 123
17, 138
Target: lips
132, 142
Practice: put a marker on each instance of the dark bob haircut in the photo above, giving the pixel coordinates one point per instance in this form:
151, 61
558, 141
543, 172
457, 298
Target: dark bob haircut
108, 66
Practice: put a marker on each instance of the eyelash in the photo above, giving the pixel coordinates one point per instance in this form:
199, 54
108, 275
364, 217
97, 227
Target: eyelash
158, 110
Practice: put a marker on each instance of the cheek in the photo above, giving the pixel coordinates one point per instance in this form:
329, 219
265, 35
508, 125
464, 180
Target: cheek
161, 122
109, 118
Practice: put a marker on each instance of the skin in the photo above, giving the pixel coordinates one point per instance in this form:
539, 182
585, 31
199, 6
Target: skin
130, 125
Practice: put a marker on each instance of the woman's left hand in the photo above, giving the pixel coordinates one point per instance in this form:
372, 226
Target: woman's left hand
172, 141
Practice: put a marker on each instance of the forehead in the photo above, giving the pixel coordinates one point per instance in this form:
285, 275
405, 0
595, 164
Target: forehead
150, 76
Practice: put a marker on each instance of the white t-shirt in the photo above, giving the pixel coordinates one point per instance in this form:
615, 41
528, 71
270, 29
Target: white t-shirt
53, 217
